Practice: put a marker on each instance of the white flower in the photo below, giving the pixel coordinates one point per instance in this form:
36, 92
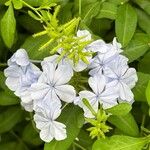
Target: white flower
52, 84
27, 106
122, 78
19, 58
106, 96
85, 34
106, 54
20, 75
116, 46
98, 46
101, 61
45, 117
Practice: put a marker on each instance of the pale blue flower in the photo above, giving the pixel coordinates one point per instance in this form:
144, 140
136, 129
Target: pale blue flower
99, 94
45, 119
53, 84
102, 60
21, 74
122, 78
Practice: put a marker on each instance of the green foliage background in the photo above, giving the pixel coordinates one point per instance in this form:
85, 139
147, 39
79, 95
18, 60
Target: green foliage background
129, 21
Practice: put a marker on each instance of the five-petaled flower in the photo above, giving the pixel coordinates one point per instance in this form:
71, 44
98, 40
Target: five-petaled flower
100, 94
45, 119
106, 54
53, 84
122, 78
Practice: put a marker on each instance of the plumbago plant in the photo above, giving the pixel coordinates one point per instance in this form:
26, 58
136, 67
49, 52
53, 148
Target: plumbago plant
74, 75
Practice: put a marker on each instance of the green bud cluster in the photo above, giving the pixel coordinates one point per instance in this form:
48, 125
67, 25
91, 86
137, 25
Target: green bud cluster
99, 126
61, 37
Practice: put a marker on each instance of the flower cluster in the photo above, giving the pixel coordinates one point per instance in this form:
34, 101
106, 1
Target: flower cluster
111, 78
45, 91
21, 74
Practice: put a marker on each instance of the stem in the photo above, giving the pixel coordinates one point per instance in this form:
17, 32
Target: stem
26, 4
143, 120
40, 34
32, 8
88, 105
35, 61
80, 7
64, 106
3, 65
46, 44
79, 146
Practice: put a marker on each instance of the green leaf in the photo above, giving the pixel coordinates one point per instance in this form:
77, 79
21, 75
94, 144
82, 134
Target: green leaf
21, 146
125, 24
125, 123
143, 65
33, 15
139, 90
9, 118
143, 21
31, 136
6, 99
65, 13
118, 2
101, 26
3, 1
137, 47
90, 11
17, 4
35, 3
32, 46
8, 27
28, 23
2, 80
120, 109
8, 146
108, 10
3, 51
148, 93
85, 140
72, 117
120, 142
145, 5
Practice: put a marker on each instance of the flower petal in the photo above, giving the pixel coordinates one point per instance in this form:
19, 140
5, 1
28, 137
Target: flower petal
21, 57
27, 106
45, 134
125, 92
98, 46
109, 104
59, 131
66, 93
48, 72
130, 77
80, 66
39, 90
12, 83
84, 33
97, 83
63, 75
117, 46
